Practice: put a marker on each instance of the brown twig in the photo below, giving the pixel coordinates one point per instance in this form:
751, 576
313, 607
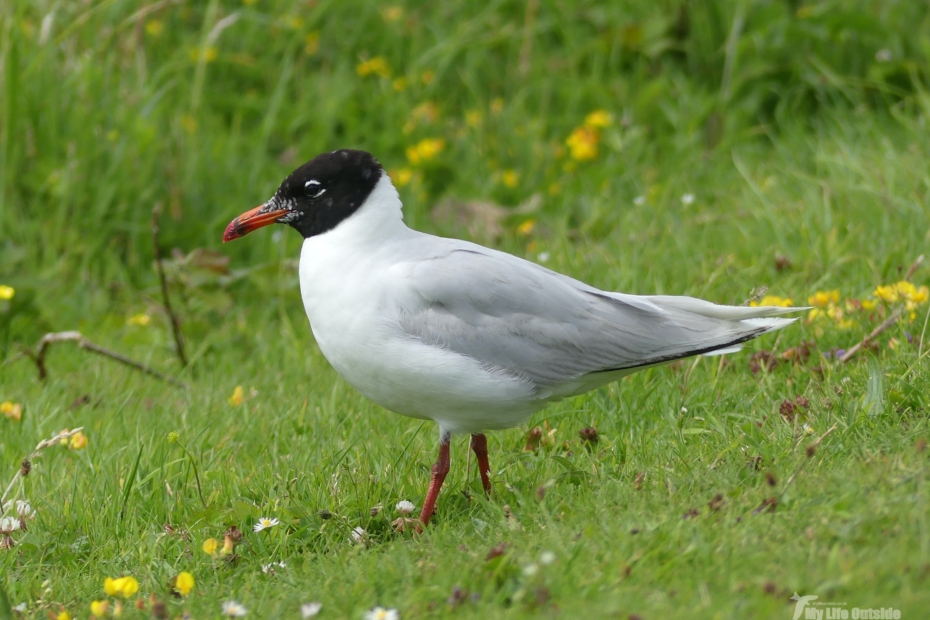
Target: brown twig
891, 320
914, 267
166, 300
45, 443
38, 355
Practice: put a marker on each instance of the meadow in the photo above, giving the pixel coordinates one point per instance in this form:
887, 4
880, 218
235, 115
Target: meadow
735, 151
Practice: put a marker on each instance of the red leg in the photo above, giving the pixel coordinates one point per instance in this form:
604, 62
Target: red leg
479, 444
440, 469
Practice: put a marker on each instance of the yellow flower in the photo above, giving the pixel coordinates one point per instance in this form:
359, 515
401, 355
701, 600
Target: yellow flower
375, 66
868, 304
920, 295
228, 546
63, 615
582, 143
122, 586
294, 22
209, 546
141, 319
312, 43
236, 399
510, 178
888, 294
184, 583
425, 150
12, 411
402, 177
526, 227
99, 608
773, 300
6, 292
822, 299
154, 27
207, 54
598, 119
426, 112
78, 441
392, 13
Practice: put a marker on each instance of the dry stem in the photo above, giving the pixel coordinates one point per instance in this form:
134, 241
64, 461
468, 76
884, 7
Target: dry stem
38, 355
166, 300
45, 443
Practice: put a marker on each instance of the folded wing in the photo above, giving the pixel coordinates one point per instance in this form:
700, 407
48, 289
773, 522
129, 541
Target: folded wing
517, 317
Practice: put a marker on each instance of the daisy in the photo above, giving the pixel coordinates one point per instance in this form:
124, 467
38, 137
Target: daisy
380, 613
234, 609
687, 199
308, 610
358, 536
405, 507
264, 523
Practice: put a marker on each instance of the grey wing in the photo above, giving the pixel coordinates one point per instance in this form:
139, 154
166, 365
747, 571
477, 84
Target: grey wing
517, 317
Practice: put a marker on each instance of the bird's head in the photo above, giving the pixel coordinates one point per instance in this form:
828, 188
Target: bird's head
315, 197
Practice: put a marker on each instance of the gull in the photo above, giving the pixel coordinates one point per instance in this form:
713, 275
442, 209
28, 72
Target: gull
472, 338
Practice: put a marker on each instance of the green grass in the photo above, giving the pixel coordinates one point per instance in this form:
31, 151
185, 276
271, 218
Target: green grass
795, 140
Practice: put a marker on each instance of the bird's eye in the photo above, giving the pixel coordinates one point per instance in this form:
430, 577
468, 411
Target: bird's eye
313, 188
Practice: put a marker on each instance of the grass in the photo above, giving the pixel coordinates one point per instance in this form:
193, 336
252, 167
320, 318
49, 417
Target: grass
805, 179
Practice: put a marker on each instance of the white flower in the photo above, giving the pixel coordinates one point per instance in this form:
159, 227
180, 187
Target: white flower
8, 525
21, 608
264, 523
543, 257
380, 613
234, 609
24, 509
684, 410
639, 200
687, 199
405, 507
546, 558
308, 610
530, 569
358, 535
808, 429
268, 569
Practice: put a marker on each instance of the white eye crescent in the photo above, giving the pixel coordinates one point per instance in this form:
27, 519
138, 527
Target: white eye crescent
312, 190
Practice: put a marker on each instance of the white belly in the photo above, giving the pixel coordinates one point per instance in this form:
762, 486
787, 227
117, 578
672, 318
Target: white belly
357, 330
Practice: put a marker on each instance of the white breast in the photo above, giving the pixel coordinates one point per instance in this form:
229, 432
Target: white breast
354, 304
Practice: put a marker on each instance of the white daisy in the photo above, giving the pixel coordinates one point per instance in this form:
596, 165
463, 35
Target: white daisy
405, 507
358, 535
233, 609
543, 257
687, 199
546, 558
264, 523
308, 610
380, 613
